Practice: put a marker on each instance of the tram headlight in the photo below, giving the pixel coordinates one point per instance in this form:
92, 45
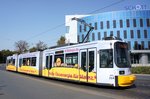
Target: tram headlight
121, 72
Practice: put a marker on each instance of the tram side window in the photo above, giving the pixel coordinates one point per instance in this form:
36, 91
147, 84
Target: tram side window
91, 60
72, 59
6, 62
9, 61
83, 61
26, 61
33, 62
13, 62
106, 58
59, 60
49, 62
47, 65
20, 62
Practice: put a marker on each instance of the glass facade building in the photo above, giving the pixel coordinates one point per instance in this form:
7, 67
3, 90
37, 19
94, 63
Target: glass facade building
131, 26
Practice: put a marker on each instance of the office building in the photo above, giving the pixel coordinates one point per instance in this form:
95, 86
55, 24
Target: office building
132, 26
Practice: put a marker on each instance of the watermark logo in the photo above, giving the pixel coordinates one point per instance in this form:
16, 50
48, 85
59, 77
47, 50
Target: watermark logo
135, 7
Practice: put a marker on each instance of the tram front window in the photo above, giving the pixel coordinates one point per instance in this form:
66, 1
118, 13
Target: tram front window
121, 55
106, 58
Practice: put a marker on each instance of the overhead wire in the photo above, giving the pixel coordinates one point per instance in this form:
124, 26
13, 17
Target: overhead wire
51, 29
112, 4
60, 25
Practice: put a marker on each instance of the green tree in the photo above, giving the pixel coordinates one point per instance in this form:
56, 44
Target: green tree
4, 54
33, 49
61, 41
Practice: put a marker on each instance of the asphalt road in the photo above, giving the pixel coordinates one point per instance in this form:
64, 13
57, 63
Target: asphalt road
20, 86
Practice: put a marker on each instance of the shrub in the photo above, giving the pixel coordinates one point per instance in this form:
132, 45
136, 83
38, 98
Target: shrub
140, 70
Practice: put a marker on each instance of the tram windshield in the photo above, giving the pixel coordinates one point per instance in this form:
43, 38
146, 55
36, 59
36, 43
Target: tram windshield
121, 55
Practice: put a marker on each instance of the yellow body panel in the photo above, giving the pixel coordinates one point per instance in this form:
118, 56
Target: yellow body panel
70, 73
126, 80
45, 72
11, 67
65, 73
91, 76
28, 70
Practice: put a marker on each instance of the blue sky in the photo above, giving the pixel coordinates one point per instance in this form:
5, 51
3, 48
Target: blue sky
34, 20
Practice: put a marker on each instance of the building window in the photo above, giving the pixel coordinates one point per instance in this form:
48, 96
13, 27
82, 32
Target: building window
149, 58
121, 24
111, 33
84, 28
114, 23
87, 40
134, 22
78, 38
128, 23
80, 28
108, 25
105, 34
149, 45
145, 33
131, 33
129, 45
67, 29
99, 35
125, 34
138, 34
93, 37
101, 23
148, 22
95, 25
82, 37
141, 22
142, 45
118, 34
135, 58
90, 24
136, 45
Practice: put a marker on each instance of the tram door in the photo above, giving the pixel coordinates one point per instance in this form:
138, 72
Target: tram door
88, 65
49, 63
105, 69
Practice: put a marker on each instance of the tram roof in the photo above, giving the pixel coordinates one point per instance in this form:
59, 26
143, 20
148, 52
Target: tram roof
82, 44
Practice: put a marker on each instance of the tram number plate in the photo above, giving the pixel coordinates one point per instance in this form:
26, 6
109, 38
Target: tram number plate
111, 77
